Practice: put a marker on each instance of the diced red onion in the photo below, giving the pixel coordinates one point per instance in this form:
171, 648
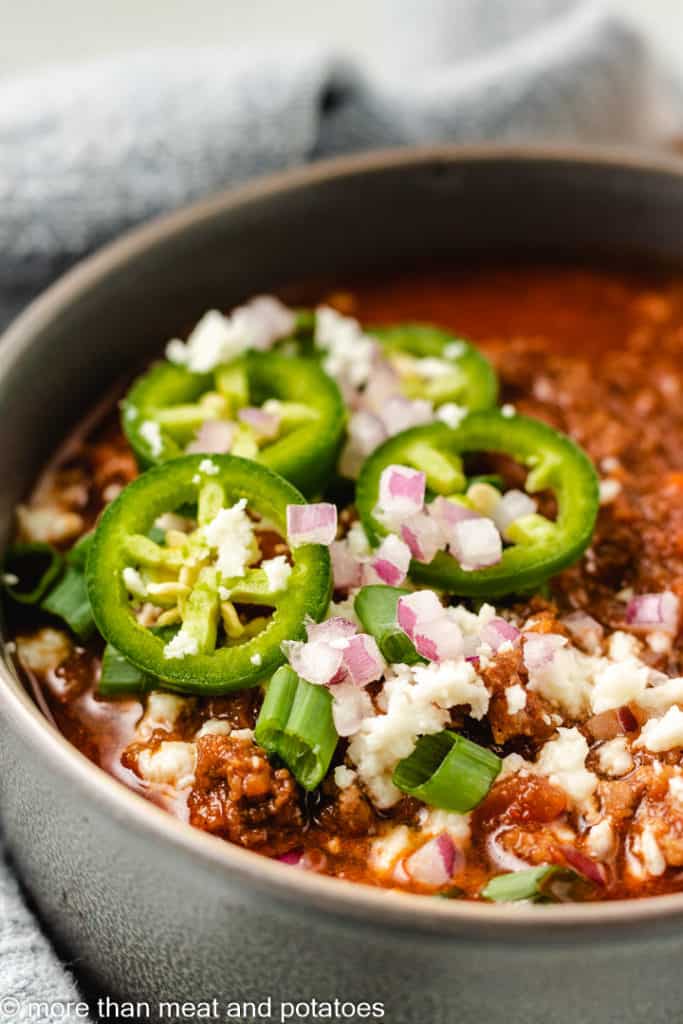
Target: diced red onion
214, 437
350, 705
362, 660
627, 720
401, 491
497, 632
448, 513
583, 628
383, 384
366, 431
540, 649
423, 535
293, 857
654, 612
586, 866
399, 414
265, 424
311, 524
512, 506
434, 864
418, 608
390, 562
476, 544
347, 571
611, 723
438, 639
335, 631
317, 662
499, 856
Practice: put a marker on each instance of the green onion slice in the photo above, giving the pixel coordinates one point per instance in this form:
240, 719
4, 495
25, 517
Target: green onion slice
295, 723
448, 771
77, 556
36, 567
376, 607
119, 677
69, 601
529, 884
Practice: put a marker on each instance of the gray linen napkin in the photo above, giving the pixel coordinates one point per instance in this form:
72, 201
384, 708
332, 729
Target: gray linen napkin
88, 151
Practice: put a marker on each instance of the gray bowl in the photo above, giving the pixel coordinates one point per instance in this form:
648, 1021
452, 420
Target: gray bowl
154, 911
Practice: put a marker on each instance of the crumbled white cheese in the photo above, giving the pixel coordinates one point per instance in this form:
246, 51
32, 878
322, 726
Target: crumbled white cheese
162, 711
614, 757
231, 534
514, 763
451, 414
508, 410
600, 839
349, 352
653, 858
173, 764
150, 431
416, 701
208, 467
10, 579
133, 582
214, 727
277, 570
660, 643
455, 349
343, 776
565, 679
172, 521
659, 734
619, 683
256, 659
434, 821
676, 789
242, 734
623, 645
658, 698
515, 697
387, 848
44, 651
181, 645
563, 761
609, 490
48, 524
218, 339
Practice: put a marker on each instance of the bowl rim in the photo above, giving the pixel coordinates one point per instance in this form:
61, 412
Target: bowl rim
355, 902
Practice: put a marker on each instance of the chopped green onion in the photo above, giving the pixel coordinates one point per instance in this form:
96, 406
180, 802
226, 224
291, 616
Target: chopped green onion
376, 607
69, 601
35, 567
528, 884
447, 771
295, 723
120, 676
78, 554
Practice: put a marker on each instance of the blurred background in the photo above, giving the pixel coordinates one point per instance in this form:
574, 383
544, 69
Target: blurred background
36, 33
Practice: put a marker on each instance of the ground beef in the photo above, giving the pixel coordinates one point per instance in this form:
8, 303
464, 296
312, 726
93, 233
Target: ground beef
348, 813
240, 796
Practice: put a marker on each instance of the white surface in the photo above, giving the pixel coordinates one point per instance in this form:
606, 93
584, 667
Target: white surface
35, 33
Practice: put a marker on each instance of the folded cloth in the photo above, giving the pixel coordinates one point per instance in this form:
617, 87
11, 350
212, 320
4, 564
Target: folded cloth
30, 972
88, 151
